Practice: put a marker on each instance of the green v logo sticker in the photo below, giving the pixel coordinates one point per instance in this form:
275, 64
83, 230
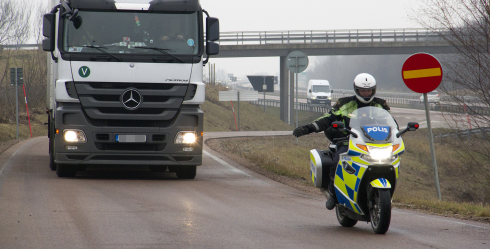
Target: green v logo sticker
84, 72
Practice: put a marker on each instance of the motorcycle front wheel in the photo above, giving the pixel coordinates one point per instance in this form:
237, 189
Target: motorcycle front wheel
344, 220
380, 212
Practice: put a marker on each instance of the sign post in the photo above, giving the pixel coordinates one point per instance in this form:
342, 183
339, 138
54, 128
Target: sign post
16, 78
297, 62
422, 73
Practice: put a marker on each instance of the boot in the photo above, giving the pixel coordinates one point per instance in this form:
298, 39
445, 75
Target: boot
331, 202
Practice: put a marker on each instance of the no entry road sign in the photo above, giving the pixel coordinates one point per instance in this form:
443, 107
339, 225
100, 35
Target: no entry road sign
422, 73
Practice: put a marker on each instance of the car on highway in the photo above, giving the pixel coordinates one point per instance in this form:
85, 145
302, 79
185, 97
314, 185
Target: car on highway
432, 97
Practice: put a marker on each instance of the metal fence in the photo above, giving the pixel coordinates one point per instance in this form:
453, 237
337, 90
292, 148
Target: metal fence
327, 36
466, 133
393, 102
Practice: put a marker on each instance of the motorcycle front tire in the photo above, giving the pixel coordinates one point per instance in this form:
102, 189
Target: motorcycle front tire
380, 213
344, 220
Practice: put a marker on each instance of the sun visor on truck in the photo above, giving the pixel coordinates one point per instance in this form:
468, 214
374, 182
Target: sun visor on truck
93, 4
174, 5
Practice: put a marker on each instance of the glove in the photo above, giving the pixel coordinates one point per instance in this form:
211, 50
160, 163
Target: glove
304, 130
301, 131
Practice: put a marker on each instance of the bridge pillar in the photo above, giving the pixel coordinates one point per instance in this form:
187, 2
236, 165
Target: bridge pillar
283, 89
286, 91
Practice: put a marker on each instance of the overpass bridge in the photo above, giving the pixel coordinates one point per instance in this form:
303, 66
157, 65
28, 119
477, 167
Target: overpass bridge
321, 43
324, 43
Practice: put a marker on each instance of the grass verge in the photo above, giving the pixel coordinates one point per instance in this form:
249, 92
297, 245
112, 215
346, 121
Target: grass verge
415, 189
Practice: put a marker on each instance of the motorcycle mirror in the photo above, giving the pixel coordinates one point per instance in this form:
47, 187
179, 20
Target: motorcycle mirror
338, 124
412, 126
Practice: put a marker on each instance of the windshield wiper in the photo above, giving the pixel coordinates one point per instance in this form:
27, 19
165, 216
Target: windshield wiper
163, 51
101, 50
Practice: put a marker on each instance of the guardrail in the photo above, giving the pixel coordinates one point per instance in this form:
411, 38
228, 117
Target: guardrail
466, 133
393, 102
327, 36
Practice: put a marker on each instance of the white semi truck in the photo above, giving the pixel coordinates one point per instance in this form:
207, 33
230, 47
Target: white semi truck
125, 83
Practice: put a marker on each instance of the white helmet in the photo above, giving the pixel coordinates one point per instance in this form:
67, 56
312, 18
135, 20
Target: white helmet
364, 81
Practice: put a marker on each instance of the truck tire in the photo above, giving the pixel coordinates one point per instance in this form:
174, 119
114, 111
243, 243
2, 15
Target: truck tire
158, 168
52, 165
66, 170
186, 172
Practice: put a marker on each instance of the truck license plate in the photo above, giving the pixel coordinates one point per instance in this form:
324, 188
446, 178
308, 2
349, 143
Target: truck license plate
322, 102
131, 138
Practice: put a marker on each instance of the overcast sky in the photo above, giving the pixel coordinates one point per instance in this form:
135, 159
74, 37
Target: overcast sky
273, 15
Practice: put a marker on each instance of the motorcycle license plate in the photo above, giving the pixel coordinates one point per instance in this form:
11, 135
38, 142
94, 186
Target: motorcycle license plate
131, 138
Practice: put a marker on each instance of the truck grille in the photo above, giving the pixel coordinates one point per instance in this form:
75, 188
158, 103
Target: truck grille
159, 104
322, 97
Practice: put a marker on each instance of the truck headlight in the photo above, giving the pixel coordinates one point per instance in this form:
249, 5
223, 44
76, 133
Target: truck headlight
74, 136
379, 155
330, 98
313, 97
185, 137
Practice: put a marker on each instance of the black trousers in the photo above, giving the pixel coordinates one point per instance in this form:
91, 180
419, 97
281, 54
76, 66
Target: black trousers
336, 158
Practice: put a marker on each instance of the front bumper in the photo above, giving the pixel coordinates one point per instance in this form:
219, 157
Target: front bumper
102, 148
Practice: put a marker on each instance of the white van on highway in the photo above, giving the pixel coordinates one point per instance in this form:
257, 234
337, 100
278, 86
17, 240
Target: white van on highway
319, 93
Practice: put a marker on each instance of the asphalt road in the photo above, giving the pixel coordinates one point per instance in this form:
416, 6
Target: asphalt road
226, 206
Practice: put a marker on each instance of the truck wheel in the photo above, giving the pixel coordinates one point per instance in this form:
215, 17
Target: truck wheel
186, 172
158, 168
66, 170
52, 165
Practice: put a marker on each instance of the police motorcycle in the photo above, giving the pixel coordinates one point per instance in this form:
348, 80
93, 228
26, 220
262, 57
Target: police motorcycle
366, 175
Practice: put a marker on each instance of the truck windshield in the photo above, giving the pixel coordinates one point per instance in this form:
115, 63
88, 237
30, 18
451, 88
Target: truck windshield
321, 89
127, 32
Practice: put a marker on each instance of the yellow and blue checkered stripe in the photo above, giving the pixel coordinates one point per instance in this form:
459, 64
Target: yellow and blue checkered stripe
347, 185
381, 183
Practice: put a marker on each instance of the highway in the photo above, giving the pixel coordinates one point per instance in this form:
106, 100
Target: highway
226, 206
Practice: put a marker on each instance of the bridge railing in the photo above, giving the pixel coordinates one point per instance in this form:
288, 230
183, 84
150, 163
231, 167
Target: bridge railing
327, 36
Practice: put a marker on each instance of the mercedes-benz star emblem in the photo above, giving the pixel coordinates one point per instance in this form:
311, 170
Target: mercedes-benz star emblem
131, 99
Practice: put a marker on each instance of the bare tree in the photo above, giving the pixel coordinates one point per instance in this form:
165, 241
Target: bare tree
465, 24
14, 19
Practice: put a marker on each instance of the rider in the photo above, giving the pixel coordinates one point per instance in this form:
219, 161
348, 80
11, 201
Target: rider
364, 89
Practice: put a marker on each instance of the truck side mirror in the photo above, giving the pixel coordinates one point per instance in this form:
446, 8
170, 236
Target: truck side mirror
309, 90
331, 91
212, 34
212, 29
49, 29
212, 48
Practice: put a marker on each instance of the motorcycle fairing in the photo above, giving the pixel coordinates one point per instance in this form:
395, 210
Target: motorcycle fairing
354, 150
381, 183
347, 185
400, 150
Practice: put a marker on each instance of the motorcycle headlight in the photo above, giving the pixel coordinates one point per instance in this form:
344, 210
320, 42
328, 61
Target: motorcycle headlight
379, 155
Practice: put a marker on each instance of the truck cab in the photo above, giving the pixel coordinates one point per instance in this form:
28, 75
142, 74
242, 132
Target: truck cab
125, 83
319, 93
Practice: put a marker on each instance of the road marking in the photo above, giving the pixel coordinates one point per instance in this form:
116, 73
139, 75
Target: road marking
224, 163
441, 219
8, 161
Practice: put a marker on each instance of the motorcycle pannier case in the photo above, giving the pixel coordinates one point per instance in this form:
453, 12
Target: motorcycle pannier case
320, 163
